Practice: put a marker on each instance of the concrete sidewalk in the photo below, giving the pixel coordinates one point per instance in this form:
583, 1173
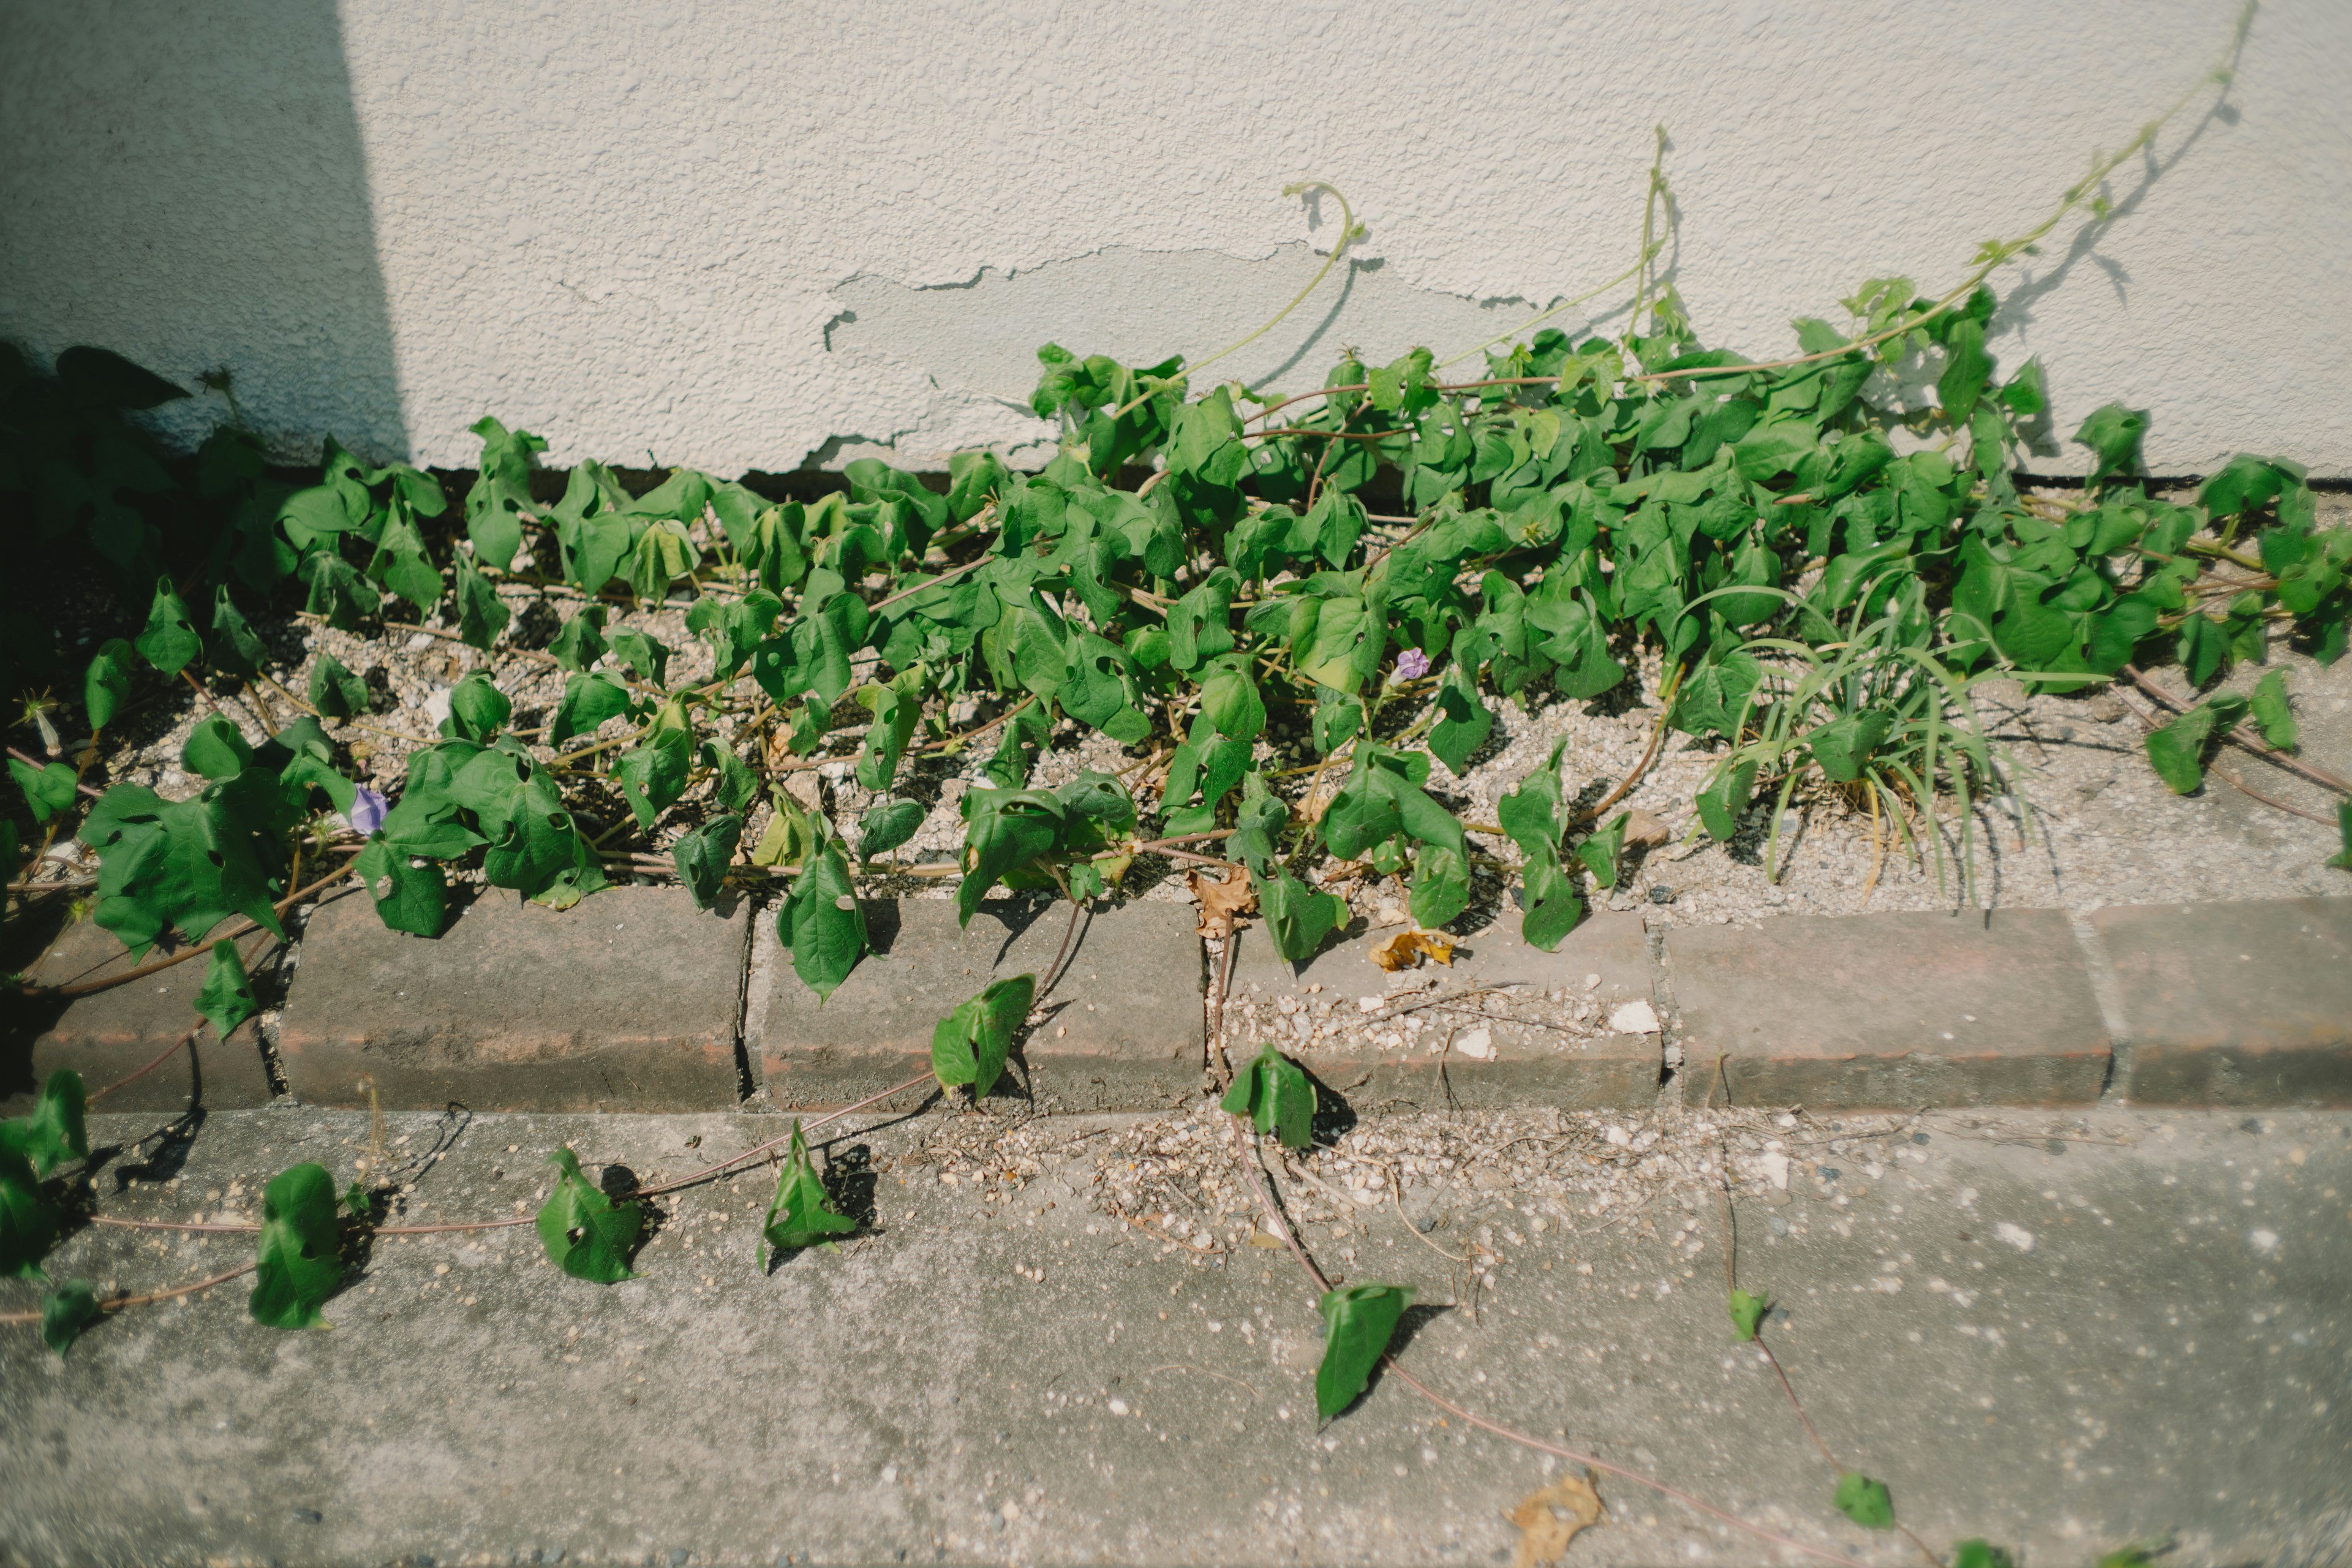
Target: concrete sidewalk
2060, 1344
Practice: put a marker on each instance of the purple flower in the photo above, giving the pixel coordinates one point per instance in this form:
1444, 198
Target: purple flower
366, 814
1412, 664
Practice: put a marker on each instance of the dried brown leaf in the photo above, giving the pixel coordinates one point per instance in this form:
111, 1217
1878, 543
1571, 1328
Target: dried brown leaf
1222, 901
1644, 831
1408, 947
1549, 1519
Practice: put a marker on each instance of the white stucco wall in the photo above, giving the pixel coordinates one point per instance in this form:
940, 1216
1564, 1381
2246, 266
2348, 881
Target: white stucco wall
739, 233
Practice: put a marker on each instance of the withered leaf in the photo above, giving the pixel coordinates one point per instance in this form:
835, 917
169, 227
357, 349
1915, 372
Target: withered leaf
1549, 1519
1408, 947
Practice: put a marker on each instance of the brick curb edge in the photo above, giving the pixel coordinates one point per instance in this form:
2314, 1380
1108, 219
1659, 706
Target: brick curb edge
2231, 1004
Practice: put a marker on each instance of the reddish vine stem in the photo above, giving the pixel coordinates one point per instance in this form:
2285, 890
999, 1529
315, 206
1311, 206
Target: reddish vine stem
169, 1051
116, 1303
87, 987
2320, 777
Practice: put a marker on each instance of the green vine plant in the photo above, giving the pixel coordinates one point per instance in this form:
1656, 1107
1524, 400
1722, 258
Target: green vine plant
1823, 580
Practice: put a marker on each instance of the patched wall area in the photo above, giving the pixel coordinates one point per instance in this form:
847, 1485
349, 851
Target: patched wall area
741, 236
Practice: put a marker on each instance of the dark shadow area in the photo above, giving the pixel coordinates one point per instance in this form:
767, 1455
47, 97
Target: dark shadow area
1334, 1117
189, 186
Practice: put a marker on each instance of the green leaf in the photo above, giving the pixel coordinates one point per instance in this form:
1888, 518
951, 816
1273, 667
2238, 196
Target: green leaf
401, 565
585, 1234
335, 691
1746, 1314
886, 825
588, 701
1844, 745
1865, 1501
1984, 1554
2343, 862
49, 789
65, 1311
1441, 884
580, 642
54, 1132
2273, 715
823, 923
1231, 701
334, 589
226, 999
896, 708
1276, 1095
1967, 369
2113, 433
170, 642
648, 658
301, 1259
2177, 751
1553, 905
1725, 800
237, 649
188, 864
653, 776
802, 1214
1019, 744
494, 506
1601, 850
1362, 1319
28, 1221
970, 1045
1258, 824
477, 710
1297, 918
1003, 829
703, 855
1533, 813
107, 686
215, 749
1464, 722
481, 615
411, 899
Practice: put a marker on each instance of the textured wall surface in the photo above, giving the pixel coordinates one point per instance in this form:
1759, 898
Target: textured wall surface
742, 235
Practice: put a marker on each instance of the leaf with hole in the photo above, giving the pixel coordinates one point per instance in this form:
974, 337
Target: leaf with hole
802, 1213
585, 1233
703, 855
169, 642
412, 899
301, 1261
226, 999
823, 923
971, 1044
1360, 1320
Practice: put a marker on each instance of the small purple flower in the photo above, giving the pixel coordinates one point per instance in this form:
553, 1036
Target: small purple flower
366, 814
1412, 664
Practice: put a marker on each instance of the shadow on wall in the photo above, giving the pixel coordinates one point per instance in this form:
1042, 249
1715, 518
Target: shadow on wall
186, 184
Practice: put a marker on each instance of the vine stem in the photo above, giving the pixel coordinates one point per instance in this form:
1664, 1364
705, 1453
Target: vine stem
1282, 1228
1347, 234
2242, 741
186, 1038
116, 1303
87, 987
31, 760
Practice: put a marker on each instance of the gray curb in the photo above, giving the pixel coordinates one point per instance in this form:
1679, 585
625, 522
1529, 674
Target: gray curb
635, 1001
